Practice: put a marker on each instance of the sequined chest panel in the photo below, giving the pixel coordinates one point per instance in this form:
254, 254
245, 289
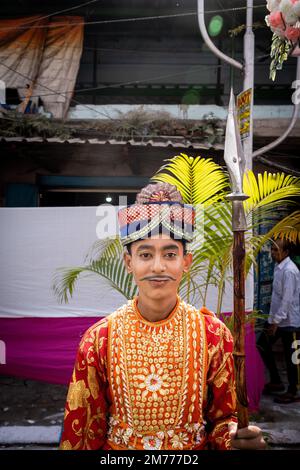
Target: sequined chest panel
157, 379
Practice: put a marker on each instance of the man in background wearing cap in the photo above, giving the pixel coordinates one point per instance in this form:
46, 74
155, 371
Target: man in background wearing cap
157, 374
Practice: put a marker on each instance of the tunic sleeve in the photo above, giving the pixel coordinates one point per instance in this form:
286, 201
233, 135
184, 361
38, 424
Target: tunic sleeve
221, 398
85, 421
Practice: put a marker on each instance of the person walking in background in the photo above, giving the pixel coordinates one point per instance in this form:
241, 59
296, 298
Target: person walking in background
283, 322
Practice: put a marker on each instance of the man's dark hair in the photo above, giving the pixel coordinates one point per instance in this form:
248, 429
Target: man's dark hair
284, 243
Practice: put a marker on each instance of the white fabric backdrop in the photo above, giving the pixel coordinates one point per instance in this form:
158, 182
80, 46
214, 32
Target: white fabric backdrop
34, 242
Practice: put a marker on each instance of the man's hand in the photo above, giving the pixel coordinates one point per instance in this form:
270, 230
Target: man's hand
249, 438
272, 328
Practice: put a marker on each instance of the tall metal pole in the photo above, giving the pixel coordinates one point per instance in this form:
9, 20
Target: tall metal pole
248, 70
291, 126
208, 41
249, 51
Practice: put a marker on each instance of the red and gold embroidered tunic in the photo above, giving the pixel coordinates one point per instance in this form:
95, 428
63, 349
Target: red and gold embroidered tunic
142, 385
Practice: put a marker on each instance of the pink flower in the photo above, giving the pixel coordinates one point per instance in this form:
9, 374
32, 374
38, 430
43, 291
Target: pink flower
276, 21
293, 34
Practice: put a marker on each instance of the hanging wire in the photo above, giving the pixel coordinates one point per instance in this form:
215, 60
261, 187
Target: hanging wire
55, 92
135, 82
124, 20
59, 12
116, 85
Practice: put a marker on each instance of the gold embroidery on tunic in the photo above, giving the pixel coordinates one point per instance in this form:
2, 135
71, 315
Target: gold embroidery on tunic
157, 379
93, 382
77, 395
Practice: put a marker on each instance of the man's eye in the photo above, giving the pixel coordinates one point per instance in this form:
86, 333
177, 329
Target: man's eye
171, 255
145, 255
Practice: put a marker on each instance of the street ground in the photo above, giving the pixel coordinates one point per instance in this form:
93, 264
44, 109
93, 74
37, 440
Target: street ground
31, 416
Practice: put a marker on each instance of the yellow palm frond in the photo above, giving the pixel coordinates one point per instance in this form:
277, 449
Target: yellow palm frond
199, 180
269, 189
287, 228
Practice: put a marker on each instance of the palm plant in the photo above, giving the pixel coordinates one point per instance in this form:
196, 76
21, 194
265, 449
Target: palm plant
204, 184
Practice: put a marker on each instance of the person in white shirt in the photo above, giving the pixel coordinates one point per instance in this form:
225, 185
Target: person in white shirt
283, 322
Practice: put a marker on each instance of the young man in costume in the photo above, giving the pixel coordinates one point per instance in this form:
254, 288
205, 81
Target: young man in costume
157, 374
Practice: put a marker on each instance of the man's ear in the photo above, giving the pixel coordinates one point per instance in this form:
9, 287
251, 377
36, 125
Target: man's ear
127, 261
187, 261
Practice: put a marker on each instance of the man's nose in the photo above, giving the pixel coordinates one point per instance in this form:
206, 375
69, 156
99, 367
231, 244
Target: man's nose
158, 264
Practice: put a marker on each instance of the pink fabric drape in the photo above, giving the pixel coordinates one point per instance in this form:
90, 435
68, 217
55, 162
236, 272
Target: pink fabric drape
45, 348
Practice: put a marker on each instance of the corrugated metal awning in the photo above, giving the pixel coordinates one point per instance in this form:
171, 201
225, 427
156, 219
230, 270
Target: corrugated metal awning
169, 141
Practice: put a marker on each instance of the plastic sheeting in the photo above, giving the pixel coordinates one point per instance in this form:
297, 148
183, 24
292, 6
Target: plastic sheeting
44, 55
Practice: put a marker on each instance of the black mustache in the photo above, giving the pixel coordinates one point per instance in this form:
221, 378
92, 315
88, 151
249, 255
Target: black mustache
155, 278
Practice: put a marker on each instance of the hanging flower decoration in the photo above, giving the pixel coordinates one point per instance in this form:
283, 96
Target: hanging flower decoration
284, 21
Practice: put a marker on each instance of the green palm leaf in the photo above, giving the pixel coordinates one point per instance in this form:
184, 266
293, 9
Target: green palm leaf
108, 265
64, 282
201, 181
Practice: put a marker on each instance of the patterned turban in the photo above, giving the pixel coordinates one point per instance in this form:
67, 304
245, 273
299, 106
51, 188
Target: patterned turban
158, 209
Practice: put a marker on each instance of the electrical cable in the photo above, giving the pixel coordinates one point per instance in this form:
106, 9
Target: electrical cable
54, 92
124, 20
59, 12
134, 82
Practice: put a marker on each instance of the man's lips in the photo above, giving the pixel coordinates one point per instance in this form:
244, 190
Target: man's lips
158, 281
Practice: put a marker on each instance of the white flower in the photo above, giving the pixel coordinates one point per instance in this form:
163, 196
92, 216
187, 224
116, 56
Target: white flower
152, 381
113, 421
273, 5
296, 9
122, 436
179, 440
289, 9
285, 6
152, 443
291, 18
118, 437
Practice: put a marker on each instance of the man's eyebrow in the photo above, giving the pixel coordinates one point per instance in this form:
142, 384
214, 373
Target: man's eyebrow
170, 247
145, 247
164, 248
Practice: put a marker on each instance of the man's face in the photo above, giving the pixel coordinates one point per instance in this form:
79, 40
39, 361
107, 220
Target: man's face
277, 252
157, 265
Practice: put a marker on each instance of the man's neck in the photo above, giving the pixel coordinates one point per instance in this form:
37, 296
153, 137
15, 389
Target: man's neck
282, 260
155, 310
